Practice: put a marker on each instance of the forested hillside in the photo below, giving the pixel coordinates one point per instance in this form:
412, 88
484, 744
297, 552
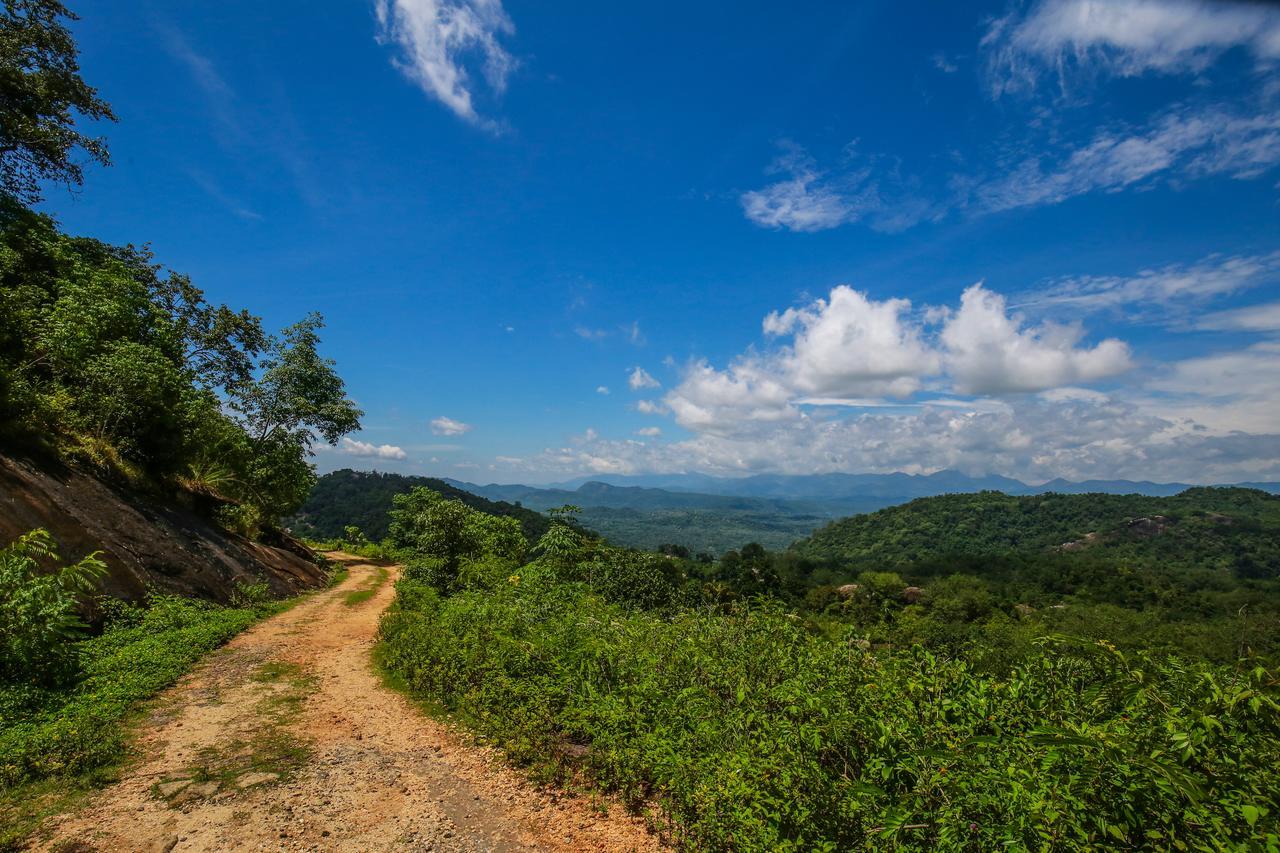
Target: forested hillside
363, 498
1018, 695
1230, 529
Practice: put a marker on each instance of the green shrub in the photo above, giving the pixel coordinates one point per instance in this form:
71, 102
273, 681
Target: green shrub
39, 619
753, 733
47, 732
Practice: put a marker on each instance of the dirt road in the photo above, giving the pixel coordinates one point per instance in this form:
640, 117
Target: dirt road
286, 739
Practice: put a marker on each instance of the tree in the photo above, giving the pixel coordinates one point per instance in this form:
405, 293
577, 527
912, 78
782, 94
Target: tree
428, 525
300, 393
40, 89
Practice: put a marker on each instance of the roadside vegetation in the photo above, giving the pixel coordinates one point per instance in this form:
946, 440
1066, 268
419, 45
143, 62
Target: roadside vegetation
748, 714
67, 697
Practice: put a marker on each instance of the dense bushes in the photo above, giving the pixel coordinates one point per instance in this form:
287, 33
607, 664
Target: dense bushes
753, 733
874, 716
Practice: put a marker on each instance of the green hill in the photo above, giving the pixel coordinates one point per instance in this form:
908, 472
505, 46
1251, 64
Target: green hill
363, 498
1230, 529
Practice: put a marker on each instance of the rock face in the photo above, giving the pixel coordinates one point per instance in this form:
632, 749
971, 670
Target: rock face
144, 544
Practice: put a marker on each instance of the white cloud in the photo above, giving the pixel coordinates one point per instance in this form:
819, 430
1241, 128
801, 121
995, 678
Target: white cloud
988, 351
1035, 438
1253, 318
634, 335
812, 199
1162, 290
435, 36
1181, 144
649, 407
602, 389
448, 426
649, 432
805, 200
851, 350
641, 378
1234, 390
370, 451
1124, 37
590, 334
849, 345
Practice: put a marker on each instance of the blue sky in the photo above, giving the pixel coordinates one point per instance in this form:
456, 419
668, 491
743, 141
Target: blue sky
1038, 239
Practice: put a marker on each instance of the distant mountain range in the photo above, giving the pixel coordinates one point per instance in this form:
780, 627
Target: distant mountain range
808, 494
702, 513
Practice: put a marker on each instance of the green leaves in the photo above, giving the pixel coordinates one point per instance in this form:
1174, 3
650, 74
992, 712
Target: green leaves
754, 734
39, 620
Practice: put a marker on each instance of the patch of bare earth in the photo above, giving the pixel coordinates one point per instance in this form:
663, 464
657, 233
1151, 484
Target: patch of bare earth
286, 739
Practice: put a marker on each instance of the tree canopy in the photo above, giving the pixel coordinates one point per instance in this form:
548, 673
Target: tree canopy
41, 91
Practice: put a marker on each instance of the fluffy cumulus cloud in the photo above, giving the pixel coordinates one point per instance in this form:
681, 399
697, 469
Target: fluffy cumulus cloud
437, 39
851, 383
849, 345
448, 426
849, 349
366, 450
988, 351
1125, 37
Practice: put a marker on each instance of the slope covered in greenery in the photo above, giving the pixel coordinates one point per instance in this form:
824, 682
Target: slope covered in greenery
752, 715
363, 498
1231, 529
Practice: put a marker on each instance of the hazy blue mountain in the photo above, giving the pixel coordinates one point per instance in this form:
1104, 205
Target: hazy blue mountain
895, 487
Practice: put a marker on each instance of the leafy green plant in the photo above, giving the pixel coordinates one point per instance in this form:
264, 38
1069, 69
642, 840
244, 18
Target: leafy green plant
39, 618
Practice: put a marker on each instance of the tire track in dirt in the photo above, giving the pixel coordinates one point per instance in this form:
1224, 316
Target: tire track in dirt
286, 739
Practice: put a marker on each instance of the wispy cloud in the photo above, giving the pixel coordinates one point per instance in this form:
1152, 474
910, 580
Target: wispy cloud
856, 189
436, 38
1162, 293
603, 390
223, 198
448, 426
204, 73
589, 334
1182, 144
1253, 318
366, 450
1125, 38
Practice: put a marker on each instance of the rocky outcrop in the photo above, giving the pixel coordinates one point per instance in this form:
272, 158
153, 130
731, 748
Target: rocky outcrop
145, 544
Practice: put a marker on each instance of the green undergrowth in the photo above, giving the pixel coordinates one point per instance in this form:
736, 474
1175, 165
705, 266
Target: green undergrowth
58, 742
751, 732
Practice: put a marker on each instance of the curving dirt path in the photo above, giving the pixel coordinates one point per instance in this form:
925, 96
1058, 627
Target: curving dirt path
287, 740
